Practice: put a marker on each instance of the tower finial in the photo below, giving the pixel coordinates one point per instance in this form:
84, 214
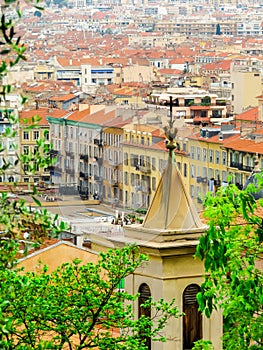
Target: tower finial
170, 131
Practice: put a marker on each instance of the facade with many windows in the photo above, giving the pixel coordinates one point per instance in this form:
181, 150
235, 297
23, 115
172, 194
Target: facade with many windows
144, 160
34, 128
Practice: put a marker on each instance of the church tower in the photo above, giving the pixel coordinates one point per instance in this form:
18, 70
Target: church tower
169, 236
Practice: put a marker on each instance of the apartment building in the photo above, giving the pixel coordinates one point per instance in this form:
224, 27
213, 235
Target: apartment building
78, 155
195, 28
34, 127
88, 148
219, 155
194, 105
246, 86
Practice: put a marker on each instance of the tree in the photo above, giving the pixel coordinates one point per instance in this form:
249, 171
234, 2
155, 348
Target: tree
232, 252
79, 307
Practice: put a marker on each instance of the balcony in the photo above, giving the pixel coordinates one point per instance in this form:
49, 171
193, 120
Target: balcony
145, 169
242, 167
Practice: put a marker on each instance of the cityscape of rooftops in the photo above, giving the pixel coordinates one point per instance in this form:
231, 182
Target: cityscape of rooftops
121, 118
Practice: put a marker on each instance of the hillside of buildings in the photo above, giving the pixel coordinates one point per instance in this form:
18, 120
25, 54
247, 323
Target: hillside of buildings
106, 82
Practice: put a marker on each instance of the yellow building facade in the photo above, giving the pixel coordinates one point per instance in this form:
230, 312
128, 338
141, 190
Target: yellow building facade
144, 160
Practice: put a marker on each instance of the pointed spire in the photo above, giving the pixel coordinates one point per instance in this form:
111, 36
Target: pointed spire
171, 207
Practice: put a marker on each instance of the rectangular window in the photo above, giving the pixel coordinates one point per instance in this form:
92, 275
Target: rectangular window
217, 157
224, 158
192, 170
126, 181
132, 179
36, 135
26, 135
153, 163
211, 156
204, 155
192, 191
185, 170
198, 153
224, 176
192, 152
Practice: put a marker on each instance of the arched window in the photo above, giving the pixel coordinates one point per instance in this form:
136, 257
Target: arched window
192, 320
145, 294
11, 179
1, 179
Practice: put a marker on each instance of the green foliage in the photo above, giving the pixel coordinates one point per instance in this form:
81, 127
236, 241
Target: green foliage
203, 345
78, 306
232, 252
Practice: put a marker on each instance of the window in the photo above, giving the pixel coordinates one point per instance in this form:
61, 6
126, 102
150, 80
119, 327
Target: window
126, 181
132, 179
224, 158
192, 191
153, 163
198, 153
36, 135
144, 295
192, 319
26, 149
26, 135
224, 176
192, 170
211, 156
204, 155
185, 170
192, 152
126, 159
217, 157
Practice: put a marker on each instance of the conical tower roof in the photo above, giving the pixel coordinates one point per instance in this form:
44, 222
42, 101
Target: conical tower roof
171, 208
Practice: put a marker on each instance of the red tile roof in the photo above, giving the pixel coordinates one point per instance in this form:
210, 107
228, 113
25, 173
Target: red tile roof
250, 115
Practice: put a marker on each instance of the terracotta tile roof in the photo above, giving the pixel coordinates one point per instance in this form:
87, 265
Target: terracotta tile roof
250, 115
42, 113
62, 98
218, 65
169, 71
245, 145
